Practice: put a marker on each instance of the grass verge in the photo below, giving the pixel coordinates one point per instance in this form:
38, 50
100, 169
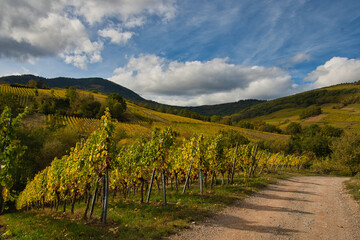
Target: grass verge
353, 185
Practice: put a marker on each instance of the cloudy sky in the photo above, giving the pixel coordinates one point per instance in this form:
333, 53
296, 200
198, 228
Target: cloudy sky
186, 52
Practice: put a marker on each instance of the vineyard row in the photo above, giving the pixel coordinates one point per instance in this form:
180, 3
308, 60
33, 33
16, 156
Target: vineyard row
95, 164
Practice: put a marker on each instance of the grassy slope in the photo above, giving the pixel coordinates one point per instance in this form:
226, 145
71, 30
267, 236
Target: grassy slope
106, 86
353, 186
187, 126
347, 117
142, 121
98, 84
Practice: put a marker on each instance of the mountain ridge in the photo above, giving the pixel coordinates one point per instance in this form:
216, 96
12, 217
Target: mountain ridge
89, 84
107, 87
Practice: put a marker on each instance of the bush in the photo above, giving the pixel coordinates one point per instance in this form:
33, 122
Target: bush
310, 112
347, 152
231, 137
277, 145
293, 128
329, 166
116, 104
259, 125
331, 131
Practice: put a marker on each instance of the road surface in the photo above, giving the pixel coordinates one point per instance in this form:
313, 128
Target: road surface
296, 208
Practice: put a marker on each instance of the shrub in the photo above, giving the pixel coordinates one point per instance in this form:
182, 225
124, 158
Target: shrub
347, 151
329, 166
310, 112
293, 128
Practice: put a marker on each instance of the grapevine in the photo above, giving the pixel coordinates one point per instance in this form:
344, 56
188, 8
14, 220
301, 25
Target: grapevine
95, 165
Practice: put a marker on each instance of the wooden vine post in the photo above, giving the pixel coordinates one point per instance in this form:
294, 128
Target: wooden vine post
201, 181
263, 166
106, 196
279, 161
253, 162
150, 186
234, 162
189, 171
188, 175
163, 180
274, 161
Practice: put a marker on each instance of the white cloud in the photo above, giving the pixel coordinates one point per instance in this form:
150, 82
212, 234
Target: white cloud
125, 10
36, 28
40, 28
300, 57
16, 74
196, 83
116, 35
292, 61
134, 22
336, 70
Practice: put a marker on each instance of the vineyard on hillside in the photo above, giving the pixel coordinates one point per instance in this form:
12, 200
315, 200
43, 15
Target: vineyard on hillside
140, 121
24, 92
187, 126
94, 167
88, 125
65, 165
17, 90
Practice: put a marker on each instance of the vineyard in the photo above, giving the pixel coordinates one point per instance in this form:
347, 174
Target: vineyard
141, 121
17, 90
148, 120
25, 93
187, 126
148, 172
88, 125
96, 167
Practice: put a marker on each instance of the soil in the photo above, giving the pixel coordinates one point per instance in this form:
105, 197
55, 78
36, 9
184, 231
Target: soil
316, 118
160, 119
297, 208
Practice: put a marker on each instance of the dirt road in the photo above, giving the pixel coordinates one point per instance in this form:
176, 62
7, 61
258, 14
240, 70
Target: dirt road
296, 208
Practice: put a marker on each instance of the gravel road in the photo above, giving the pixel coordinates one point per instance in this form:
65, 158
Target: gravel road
296, 208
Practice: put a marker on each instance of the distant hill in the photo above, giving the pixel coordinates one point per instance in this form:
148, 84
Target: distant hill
106, 86
339, 104
89, 84
224, 109
334, 94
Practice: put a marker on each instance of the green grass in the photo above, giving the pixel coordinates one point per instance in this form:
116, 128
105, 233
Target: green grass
187, 126
42, 225
353, 185
346, 118
128, 218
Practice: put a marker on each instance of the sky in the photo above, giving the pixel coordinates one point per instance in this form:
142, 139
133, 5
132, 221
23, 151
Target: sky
186, 52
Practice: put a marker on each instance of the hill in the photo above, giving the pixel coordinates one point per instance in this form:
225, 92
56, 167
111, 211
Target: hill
89, 84
340, 105
105, 86
224, 109
139, 121
70, 171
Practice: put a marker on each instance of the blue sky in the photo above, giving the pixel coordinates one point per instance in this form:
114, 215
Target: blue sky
186, 52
